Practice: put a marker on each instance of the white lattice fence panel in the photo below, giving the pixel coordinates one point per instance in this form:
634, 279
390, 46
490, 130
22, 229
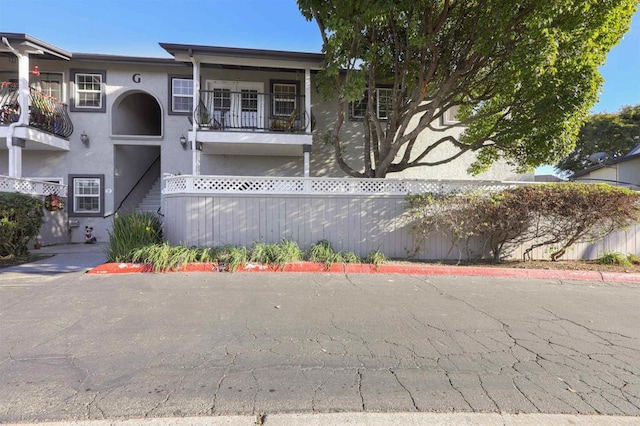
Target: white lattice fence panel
329, 186
33, 187
319, 186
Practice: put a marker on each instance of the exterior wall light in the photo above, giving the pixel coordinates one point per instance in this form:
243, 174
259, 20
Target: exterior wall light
84, 139
183, 142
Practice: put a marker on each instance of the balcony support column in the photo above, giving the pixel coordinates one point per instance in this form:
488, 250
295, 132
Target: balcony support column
195, 155
307, 97
306, 150
14, 147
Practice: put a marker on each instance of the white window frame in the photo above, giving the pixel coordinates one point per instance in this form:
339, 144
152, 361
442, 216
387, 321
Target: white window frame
276, 100
450, 116
93, 181
365, 99
235, 111
78, 91
37, 84
175, 95
378, 96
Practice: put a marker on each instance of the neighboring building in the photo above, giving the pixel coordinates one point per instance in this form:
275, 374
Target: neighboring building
622, 171
111, 126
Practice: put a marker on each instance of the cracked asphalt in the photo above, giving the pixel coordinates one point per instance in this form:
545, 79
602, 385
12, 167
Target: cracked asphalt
77, 346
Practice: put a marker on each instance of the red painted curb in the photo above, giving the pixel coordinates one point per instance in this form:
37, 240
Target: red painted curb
128, 268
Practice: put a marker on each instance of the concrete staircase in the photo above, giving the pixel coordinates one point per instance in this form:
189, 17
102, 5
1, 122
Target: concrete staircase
151, 201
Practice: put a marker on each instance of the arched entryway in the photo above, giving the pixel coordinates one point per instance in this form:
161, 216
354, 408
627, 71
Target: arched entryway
136, 113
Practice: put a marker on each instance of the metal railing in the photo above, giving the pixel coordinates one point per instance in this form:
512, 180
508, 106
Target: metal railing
182, 184
45, 112
30, 186
249, 110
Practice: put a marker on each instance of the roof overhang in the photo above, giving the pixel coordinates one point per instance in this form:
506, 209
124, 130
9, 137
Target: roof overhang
244, 57
26, 44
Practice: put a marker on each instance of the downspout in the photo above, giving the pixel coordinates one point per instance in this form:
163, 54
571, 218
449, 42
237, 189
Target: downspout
15, 169
195, 170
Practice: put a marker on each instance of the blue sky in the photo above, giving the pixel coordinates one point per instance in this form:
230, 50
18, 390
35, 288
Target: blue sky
135, 27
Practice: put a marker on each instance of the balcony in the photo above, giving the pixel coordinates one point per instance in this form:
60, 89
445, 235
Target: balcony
251, 123
46, 113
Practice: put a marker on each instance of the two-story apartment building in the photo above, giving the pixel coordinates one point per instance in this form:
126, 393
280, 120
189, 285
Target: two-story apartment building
110, 126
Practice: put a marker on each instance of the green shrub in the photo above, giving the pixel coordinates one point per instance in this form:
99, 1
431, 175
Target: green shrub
132, 231
557, 216
20, 220
234, 256
286, 251
165, 257
376, 257
612, 258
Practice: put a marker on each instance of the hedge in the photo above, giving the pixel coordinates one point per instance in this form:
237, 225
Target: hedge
20, 221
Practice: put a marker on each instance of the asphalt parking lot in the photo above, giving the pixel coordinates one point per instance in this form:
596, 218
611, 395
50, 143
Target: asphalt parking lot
78, 346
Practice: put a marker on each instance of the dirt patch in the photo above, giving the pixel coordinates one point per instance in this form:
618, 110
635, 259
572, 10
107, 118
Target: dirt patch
571, 265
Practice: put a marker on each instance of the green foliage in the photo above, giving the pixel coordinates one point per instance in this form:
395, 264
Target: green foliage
286, 251
554, 215
376, 258
234, 257
132, 231
524, 80
165, 257
612, 133
322, 252
611, 258
20, 220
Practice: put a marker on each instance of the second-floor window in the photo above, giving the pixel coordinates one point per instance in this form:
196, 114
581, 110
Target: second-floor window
88, 90
284, 99
381, 103
49, 83
181, 95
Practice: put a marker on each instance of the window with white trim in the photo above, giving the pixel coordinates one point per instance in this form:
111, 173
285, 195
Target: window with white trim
450, 116
181, 95
88, 90
284, 99
382, 104
86, 193
49, 83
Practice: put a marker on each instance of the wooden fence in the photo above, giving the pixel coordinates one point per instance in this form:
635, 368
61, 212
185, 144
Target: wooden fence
354, 215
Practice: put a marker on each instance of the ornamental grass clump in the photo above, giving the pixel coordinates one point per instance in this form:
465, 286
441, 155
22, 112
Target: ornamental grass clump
278, 254
165, 257
132, 231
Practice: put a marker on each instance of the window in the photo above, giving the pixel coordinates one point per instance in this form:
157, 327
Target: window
284, 99
358, 108
181, 95
49, 83
382, 104
449, 116
86, 193
88, 90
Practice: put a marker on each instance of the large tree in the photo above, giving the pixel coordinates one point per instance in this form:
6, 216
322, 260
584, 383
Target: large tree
523, 73
613, 134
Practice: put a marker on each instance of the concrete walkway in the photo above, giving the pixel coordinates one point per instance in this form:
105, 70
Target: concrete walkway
63, 258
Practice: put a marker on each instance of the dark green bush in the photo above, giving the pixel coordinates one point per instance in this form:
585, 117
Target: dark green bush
20, 220
130, 232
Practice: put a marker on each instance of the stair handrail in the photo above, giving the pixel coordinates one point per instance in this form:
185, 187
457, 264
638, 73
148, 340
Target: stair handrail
134, 187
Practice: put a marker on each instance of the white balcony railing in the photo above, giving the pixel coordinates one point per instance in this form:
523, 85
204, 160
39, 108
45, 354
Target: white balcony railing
188, 184
30, 186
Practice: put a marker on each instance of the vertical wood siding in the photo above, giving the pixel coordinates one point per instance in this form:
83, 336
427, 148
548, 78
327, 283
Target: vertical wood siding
358, 223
